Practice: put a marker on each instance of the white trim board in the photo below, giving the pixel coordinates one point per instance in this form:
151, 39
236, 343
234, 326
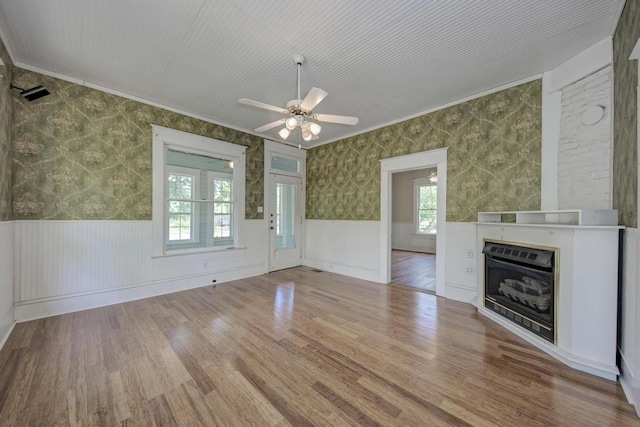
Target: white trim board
5, 336
630, 385
403, 163
7, 262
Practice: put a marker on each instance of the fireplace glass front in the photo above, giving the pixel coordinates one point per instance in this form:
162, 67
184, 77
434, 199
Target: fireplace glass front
519, 285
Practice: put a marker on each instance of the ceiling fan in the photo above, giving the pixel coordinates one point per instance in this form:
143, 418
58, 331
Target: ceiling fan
299, 112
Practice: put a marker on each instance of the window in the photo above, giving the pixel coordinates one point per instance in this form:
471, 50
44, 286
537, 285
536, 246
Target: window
222, 215
426, 206
198, 193
182, 188
285, 164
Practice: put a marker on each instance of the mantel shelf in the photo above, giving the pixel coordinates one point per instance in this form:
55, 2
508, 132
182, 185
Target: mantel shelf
575, 217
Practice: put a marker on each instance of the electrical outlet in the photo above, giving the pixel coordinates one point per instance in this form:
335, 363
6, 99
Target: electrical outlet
260, 209
469, 270
469, 253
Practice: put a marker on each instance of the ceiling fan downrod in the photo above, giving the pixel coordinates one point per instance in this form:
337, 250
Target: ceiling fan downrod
299, 60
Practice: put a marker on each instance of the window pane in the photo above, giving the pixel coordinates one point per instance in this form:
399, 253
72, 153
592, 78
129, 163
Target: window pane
428, 198
427, 221
285, 164
222, 226
222, 208
179, 227
222, 190
285, 215
180, 186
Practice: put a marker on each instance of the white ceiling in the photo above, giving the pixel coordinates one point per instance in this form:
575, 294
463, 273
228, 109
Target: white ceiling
379, 60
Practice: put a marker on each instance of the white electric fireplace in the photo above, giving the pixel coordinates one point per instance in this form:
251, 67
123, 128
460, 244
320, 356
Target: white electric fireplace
551, 277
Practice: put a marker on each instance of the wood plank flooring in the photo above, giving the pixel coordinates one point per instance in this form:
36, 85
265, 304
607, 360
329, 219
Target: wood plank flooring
414, 269
296, 348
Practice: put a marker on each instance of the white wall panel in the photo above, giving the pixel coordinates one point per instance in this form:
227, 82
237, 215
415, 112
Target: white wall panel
403, 238
6, 280
351, 248
461, 270
630, 334
69, 259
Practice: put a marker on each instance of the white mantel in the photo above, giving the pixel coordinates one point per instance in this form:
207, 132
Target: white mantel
586, 317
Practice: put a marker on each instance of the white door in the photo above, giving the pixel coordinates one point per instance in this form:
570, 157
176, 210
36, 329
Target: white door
285, 222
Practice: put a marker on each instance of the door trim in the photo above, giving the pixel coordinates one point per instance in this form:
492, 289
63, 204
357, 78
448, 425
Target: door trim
404, 163
271, 149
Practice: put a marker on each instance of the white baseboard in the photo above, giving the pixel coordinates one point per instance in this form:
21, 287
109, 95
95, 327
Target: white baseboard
630, 384
5, 332
71, 303
346, 270
459, 293
609, 372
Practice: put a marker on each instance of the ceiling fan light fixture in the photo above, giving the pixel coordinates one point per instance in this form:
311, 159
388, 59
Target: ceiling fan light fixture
306, 133
291, 123
299, 112
284, 133
315, 128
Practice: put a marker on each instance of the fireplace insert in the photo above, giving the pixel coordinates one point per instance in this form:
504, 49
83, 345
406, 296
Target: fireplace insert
519, 284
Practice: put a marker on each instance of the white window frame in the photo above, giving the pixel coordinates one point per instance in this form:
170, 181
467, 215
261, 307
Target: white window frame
195, 220
165, 139
417, 183
211, 175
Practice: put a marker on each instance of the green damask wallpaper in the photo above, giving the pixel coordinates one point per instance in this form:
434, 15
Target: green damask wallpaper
84, 154
6, 117
625, 116
493, 159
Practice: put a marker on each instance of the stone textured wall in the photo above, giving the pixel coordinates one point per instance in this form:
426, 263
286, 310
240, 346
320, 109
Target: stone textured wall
80, 153
6, 118
625, 122
493, 159
584, 152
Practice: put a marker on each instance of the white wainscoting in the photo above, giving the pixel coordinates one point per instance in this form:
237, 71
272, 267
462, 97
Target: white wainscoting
461, 269
351, 248
6, 280
630, 335
65, 266
403, 238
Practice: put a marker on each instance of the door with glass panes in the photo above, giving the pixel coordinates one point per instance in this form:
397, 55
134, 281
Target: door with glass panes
285, 222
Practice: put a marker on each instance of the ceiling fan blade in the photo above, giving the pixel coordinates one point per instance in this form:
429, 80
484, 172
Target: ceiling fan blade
269, 126
313, 98
343, 120
252, 103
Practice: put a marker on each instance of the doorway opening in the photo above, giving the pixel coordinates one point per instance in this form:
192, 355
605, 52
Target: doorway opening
428, 159
414, 228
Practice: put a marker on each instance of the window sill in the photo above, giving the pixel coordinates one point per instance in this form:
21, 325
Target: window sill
184, 252
424, 235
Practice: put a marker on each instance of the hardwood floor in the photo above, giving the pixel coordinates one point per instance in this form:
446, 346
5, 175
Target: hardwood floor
414, 269
297, 348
